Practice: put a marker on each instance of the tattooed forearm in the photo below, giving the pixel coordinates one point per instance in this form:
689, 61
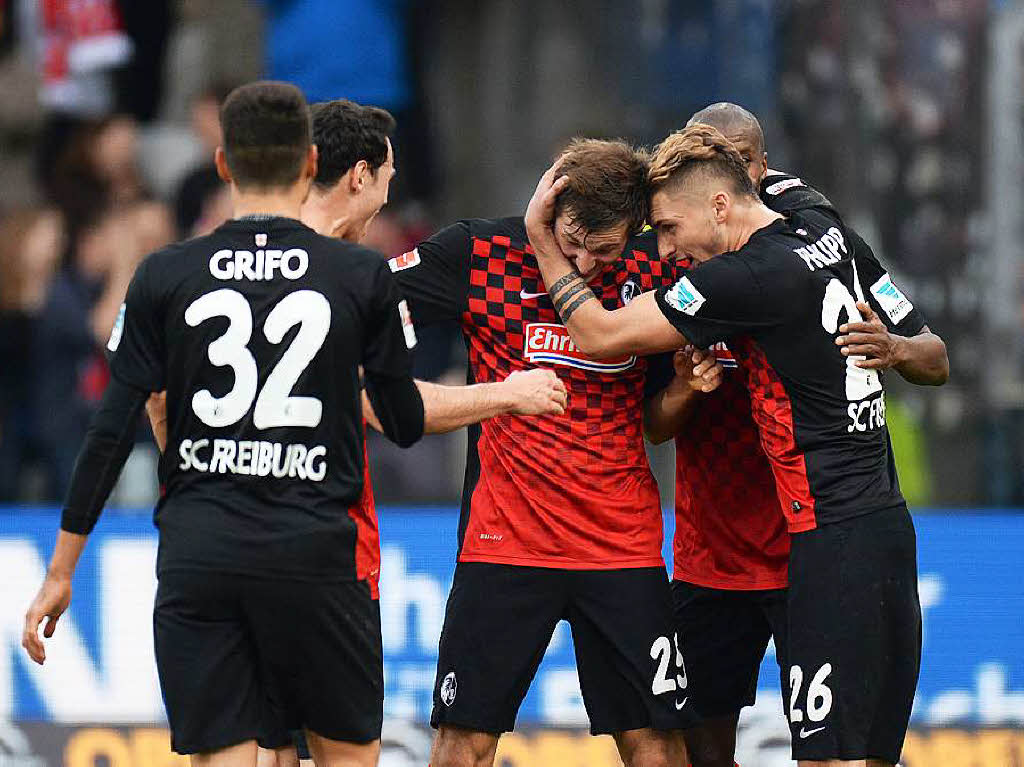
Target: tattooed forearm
561, 283
571, 308
566, 295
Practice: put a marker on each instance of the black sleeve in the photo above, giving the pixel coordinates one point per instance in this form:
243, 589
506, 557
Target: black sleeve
107, 444
890, 303
387, 366
660, 372
399, 408
723, 298
434, 277
136, 345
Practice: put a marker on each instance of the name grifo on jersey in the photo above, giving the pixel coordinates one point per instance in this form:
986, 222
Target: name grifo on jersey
548, 342
829, 249
866, 415
259, 265
253, 457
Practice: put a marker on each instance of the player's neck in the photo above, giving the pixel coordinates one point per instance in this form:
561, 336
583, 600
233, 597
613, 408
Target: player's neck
286, 203
326, 215
754, 217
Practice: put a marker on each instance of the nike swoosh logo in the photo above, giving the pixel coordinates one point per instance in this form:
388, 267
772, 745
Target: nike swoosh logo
528, 296
679, 706
808, 733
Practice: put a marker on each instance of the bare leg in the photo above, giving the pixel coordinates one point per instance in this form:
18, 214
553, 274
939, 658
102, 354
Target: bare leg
239, 755
651, 748
713, 742
337, 753
458, 747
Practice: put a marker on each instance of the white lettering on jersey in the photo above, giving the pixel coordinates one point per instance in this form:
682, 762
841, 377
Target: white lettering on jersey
253, 457
685, 297
551, 343
781, 186
891, 298
117, 331
261, 265
405, 261
830, 249
407, 327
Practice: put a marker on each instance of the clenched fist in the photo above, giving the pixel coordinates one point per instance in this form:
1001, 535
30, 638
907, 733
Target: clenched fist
536, 392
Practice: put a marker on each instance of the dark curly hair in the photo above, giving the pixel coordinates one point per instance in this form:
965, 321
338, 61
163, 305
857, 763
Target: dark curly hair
345, 133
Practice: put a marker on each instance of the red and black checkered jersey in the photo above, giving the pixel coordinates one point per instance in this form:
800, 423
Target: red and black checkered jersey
730, 532
572, 491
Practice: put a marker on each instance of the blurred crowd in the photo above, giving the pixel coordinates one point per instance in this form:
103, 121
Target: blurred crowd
110, 123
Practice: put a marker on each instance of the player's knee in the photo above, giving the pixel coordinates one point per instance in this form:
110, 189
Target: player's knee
651, 748
457, 747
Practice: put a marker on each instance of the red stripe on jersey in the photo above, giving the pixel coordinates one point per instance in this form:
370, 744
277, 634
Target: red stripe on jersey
773, 412
364, 514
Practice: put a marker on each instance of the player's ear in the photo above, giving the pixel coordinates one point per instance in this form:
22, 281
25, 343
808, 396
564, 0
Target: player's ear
721, 202
312, 161
361, 170
220, 159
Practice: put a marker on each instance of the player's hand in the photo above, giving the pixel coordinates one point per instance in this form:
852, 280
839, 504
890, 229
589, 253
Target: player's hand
871, 339
535, 392
156, 409
540, 213
698, 369
50, 603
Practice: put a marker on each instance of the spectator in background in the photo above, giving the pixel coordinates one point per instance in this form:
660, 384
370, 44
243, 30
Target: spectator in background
31, 242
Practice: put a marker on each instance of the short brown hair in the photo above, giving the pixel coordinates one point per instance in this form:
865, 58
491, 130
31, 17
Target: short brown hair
267, 133
607, 184
699, 149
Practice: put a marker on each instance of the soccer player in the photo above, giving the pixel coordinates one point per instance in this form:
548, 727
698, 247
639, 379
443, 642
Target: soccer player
266, 608
561, 516
778, 290
731, 543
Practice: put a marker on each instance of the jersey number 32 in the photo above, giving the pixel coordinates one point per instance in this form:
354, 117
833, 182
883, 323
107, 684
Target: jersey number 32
274, 406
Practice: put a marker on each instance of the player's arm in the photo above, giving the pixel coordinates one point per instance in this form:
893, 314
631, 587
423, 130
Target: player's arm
637, 328
694, 373
893, 333
389, 387
921, 359
447, 408
107, 444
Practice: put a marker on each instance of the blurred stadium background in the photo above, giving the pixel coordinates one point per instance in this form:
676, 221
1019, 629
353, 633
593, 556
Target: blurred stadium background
909, 114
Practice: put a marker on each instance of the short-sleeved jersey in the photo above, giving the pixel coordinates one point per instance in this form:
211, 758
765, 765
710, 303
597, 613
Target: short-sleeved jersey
778, 303
573, 491
257, 332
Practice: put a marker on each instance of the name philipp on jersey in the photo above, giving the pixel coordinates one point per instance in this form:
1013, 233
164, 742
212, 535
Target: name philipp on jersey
253, 457
259, 265
829, 249
548, 342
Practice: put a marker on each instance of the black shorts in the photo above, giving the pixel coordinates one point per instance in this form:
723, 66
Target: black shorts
242, 657
500, 619
724, 634
854, 644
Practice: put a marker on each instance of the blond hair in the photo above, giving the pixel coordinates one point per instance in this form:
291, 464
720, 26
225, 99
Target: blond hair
701, 149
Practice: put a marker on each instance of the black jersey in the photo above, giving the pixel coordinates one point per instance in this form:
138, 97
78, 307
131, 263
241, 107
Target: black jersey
257, 333
779, 302
788, 194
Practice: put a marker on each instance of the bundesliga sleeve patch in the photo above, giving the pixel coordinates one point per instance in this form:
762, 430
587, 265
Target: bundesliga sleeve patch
781, 186
407, 327
891, 298
404, 261
117, 331
684, 297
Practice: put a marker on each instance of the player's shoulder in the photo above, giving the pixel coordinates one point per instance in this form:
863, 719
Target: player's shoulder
510, 228
783, 193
